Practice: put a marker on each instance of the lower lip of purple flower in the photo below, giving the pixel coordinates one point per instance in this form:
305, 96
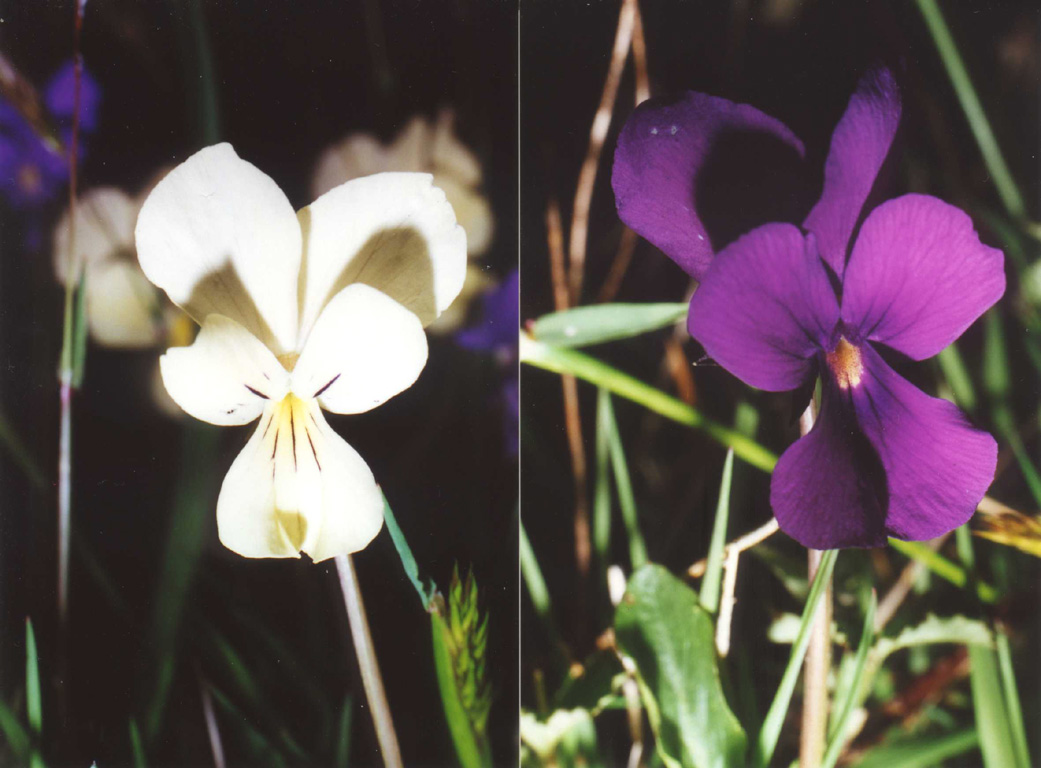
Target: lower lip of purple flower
845, 364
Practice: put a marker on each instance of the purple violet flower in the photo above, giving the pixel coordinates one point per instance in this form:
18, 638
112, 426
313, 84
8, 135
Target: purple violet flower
32, 173
782, 305
497, 334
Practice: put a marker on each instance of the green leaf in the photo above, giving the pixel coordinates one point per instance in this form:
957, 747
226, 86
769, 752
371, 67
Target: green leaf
600, 323
957, 630
670, 638
572, 363
710, 584
771, 729
920, 751
33, 699
425, 588
1015, 711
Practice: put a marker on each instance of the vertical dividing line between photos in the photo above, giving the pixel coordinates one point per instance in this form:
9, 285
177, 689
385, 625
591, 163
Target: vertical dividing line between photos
367, 662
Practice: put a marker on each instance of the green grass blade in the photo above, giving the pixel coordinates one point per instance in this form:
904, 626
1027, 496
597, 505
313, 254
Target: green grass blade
584, 326
846, 707
192, 511
137, 749
14, 732
711, 583
33, 698
974, 112
602, 490
424, 587
921, 751
79, 336
16, 449
957, 375
774, 720
532, 575
992, 717
942, 567
624, 487
1015, 710
568, 361
343, 737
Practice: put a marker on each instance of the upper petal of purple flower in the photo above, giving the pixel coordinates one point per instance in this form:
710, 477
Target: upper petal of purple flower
859, 146
500, 321
919, 276
660, 153
829, 488
937, 465
60, 93
766, 309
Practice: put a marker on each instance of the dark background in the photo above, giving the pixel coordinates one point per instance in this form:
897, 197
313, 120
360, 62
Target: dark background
291, 78
800, 67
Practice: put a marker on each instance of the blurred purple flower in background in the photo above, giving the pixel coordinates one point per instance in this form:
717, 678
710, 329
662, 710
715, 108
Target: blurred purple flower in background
884, 459
33, 170
497, 334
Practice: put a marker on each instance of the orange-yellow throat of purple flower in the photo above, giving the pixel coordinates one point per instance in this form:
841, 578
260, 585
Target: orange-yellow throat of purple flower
846, 364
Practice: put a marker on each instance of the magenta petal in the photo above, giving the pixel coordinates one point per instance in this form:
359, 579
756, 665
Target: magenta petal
919, 276
938, 466
829, 490
766, 308
859, 146
660, 152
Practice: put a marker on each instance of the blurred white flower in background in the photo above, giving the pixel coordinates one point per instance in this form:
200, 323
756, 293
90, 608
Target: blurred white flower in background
324, 308
429, 147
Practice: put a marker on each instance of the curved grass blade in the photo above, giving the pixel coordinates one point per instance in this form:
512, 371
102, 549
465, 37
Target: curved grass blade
624, 488
846, 707
424, 587
710, 584
921, 751
771, 729
600, 323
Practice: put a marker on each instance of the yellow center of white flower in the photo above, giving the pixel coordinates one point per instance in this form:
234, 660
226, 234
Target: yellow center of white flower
846, 364
292, 438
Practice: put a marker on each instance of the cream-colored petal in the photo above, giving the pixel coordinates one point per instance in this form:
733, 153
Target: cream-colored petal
297, 486
451, 157
105, 220
411, 148
393, 231
452, 319
357, 155
123, 308
364, 349
226, 376
220, 237
471, 211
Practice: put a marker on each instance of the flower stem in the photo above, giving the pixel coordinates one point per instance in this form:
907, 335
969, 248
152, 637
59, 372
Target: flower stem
818, 658
370, 671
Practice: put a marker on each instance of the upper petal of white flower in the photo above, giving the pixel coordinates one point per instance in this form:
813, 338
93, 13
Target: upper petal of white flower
220, 237
297, 486
393, 231
104, 229
226, 377
364, 349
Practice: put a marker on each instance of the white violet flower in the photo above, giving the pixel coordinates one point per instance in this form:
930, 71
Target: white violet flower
324, 308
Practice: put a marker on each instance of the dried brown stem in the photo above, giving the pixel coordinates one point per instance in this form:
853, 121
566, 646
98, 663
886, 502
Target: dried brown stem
597, 134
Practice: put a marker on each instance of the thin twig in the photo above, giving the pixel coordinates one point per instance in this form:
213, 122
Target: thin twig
643, 81
738, 545
903, 586
572, 417
622, 258
818, 657
212, 729
365, 650
597, 134
727, 602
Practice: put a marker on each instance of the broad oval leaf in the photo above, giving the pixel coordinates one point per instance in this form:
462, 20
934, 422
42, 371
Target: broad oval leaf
662, 627
584, 326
